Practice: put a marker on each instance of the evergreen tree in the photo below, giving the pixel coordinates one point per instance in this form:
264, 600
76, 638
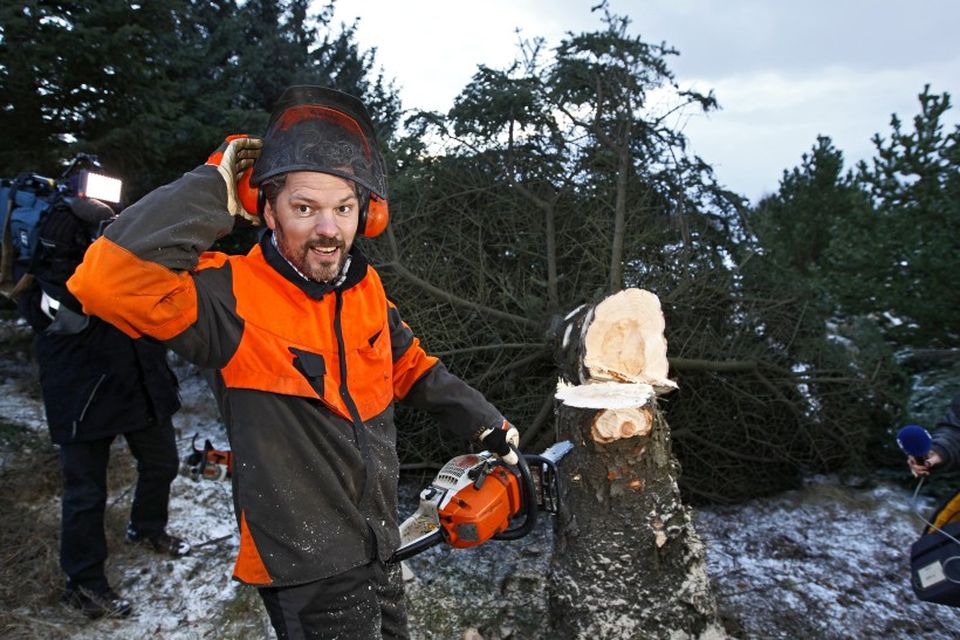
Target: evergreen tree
906, 256
153, 87
794, 242
795, 226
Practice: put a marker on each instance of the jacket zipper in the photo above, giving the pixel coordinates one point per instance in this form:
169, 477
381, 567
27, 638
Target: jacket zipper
359, 431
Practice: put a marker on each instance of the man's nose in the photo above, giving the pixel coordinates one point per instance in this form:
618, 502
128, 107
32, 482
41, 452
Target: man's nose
326, 225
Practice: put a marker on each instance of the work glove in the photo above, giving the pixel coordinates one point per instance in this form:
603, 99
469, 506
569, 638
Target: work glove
498, 441
232, 158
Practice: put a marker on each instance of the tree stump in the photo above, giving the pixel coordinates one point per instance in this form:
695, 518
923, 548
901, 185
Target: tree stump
628, 562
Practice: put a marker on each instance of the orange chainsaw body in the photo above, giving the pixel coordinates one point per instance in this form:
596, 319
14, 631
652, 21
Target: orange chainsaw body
475, 514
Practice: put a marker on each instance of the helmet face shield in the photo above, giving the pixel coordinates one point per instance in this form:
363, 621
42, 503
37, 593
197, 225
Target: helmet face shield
320, 129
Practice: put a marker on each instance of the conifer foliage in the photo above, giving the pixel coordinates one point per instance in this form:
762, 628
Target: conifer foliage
152, 87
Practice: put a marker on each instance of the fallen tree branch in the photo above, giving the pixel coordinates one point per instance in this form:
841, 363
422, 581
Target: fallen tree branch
516, 364
685, 432
490, 347
930, 357
723, 366
408, 275
532, 433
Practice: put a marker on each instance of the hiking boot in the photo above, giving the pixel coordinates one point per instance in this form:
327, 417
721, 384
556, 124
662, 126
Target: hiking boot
161, 542
96, 604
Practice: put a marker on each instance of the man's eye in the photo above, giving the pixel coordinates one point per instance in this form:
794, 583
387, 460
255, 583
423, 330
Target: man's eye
344, 209
303, 209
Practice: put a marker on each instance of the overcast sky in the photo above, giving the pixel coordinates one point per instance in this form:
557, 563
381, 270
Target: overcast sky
783, 71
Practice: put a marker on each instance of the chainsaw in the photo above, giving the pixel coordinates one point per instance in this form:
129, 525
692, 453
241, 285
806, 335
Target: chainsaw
207, 463
477, 497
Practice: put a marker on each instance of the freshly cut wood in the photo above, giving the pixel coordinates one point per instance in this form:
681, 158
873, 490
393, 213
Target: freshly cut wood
614, 424
621, 340
626, 408
624, 342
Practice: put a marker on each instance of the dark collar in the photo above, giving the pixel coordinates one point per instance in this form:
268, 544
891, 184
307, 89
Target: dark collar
356, 269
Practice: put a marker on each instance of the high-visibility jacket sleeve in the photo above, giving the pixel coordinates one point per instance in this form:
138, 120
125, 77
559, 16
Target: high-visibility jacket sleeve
422, 381
175, 224
410, 361
142, 276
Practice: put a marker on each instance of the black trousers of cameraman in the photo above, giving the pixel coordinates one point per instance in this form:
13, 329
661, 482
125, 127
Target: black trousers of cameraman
365, 603
83, 544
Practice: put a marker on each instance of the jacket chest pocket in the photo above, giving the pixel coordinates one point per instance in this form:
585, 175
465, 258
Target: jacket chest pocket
370, 375
311, 366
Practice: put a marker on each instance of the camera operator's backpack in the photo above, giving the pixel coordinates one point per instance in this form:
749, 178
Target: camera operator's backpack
23, 203
935, 557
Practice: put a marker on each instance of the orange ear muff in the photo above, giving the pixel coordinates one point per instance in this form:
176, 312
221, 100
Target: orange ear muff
248, 194
378, 216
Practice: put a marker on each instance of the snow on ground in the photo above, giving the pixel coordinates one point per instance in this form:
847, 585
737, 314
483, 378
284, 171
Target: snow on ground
828, 561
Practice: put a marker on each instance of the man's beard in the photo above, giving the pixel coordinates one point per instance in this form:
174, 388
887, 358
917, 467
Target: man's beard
299, 257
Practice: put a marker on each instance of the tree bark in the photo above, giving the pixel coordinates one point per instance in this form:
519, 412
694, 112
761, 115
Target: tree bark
628, 562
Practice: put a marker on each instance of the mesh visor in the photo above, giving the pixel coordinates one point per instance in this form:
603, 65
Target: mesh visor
320, 129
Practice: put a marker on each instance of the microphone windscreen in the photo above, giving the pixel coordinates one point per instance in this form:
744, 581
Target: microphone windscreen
914, 440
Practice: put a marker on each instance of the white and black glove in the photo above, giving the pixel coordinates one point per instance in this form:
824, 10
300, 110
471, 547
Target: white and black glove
499, 439
232, 158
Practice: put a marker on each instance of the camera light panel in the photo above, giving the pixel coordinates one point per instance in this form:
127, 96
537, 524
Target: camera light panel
99, 186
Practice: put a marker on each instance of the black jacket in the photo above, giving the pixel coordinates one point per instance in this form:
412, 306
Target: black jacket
946, 438
96, 381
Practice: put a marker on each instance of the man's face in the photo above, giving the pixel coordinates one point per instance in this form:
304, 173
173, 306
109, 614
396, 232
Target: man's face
315, 221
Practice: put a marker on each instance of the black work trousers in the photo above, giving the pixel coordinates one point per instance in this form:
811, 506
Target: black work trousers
365, 603
83, 544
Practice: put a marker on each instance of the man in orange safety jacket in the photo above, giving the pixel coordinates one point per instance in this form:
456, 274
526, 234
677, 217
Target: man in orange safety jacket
309, 355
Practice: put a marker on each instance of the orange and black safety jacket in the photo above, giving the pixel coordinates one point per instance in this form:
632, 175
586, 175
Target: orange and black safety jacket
306, 376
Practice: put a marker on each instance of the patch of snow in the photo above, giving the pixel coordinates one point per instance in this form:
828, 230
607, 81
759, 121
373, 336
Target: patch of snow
827, 561
17, 408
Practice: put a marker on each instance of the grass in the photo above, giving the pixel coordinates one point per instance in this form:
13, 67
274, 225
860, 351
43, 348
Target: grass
29, 533
30, 490
15, 438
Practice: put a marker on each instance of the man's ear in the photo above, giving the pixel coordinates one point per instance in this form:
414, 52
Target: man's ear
269, 216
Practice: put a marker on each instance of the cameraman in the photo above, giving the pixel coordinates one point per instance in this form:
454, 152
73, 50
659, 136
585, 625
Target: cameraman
97, 383
945, 449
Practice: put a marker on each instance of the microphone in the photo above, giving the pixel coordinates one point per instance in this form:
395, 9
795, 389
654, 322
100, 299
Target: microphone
915, 441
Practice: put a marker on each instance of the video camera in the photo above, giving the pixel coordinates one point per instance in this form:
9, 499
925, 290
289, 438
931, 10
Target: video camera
25, 200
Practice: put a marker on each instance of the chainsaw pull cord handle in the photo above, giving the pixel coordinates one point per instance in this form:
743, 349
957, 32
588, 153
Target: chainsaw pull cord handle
528, 497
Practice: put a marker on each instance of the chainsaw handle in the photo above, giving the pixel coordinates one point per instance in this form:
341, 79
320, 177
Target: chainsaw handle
529, 498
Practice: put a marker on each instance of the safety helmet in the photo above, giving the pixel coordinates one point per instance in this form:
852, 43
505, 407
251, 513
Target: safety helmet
320, 129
